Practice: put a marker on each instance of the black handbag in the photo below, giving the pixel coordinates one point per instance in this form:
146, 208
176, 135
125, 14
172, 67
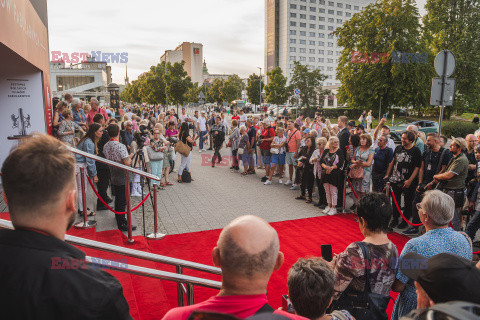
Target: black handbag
186, 176
364, 305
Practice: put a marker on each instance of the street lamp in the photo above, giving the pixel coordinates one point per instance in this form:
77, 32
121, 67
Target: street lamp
165, 77
260, 92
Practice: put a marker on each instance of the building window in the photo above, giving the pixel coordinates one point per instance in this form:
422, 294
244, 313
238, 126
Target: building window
313, 1
321, 10
313, 9
339, 5
312, 51
356, 8
311, 59
312, 34
303, 41
293, 40
330, 44
329, 52
303, 25
330, 61
312, 26
322, 27
311, 42
321, 18
293, 23
321, 68
313, 18
293, 58
293, 49
321, 52
304, 8
321, 35
331, 11
348, 14
330, 36
329, 68
321, 43
330, 28
293, 32
321, 1
293, 6
303, 16
339, 21
303, 33
303, 50
339, 13
293, 15
348, 6
331, 20
321, 59
303, 59
331, 4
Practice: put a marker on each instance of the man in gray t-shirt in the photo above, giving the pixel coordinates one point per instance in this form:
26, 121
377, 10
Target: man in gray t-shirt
116, 151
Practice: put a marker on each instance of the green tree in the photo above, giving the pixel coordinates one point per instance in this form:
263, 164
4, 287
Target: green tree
152, 85
253, 88
309, 83
454, 25
232, 89
192, 93
178, 82
365, 67
276, 90
214, 93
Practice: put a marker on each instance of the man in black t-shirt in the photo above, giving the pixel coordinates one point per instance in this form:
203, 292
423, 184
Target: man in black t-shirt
402, 174
434, 161
252, 137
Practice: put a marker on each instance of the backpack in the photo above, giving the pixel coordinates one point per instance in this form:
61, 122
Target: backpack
186, 176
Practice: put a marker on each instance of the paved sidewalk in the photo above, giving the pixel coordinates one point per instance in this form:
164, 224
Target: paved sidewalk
216, 197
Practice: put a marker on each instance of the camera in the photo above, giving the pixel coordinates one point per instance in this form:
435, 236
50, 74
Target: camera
141, 136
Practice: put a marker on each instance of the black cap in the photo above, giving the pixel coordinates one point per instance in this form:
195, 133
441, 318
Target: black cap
361, 127
351, 124
444, 277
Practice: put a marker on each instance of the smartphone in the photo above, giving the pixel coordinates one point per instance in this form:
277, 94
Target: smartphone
287, 304
327, 252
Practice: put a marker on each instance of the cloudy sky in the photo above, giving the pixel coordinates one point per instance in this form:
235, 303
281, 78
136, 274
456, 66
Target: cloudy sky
231, 31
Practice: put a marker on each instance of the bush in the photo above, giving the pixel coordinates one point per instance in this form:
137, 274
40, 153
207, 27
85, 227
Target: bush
458, 128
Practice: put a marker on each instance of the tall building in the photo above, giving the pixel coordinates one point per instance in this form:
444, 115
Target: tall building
192, 54
299, 30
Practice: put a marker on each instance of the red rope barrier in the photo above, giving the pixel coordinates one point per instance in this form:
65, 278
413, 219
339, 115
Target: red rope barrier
351, 187
106, 205
400, 211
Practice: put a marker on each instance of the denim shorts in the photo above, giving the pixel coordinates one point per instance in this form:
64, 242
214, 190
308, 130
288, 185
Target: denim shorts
266, 157
290, 158
278, 159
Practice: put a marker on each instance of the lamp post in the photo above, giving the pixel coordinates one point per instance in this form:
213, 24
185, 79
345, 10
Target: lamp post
260, 92
166, 92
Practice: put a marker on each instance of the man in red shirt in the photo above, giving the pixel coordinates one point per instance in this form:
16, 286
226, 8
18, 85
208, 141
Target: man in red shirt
95, 109
248, 253
266, 138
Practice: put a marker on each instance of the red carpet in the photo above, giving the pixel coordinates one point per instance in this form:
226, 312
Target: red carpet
150, 299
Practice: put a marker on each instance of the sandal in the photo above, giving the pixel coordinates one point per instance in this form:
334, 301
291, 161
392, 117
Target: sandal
90, 213
244, 173
309, 200
179, 181
169, 184
300, 198
162, 184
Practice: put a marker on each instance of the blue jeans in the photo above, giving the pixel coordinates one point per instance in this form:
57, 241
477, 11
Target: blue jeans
202, 133
156, 169
473, 225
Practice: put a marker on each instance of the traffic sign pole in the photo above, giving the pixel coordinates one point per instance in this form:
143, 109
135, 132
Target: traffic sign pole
442, 107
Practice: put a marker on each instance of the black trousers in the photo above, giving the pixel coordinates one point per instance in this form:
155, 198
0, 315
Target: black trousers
340, 187
298, 175
120, 204
322, 196
308, 180
417, 199
216, 153
103, 174
408, 197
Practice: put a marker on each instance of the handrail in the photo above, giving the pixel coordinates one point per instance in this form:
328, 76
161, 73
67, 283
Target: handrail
87, 243
113, 163
152, 273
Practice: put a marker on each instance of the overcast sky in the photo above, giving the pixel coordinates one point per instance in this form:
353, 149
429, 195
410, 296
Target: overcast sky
231, 31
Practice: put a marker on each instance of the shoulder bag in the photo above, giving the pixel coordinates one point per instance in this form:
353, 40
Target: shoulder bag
290, 138
182, 148
356, 172
364, 305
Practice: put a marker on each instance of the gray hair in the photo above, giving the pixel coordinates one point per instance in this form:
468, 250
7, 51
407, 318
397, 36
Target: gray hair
243, 128
413, 128
313, 133
76, 102
439, 206
94, 101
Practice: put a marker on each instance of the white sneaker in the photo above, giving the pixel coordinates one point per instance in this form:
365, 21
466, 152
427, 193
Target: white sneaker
204, 150
200, 151
268, 182
136, 194
289, 182
294, 187
332, 211
325, 211
280, 181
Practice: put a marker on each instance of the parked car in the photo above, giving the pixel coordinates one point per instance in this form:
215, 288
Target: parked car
425, 126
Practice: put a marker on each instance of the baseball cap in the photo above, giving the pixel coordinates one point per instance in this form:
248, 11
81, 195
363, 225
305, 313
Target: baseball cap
462, 143
444, 277
306, 130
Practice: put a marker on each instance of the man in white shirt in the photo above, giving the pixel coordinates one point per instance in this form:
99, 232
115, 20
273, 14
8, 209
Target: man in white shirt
184, 116
243, 118
203, 128
129, 114
385, 131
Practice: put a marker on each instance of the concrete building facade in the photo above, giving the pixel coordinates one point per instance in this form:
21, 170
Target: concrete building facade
300, 30
192, 54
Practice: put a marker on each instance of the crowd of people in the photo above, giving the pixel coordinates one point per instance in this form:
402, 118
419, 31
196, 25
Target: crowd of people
48, 278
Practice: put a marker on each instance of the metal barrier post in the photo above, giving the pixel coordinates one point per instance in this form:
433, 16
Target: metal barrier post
129, 209
344, 193
190, 295
387, 191
181, 300
86, 224
155, 235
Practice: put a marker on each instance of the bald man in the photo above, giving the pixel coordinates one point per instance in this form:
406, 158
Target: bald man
418, 142
247, 251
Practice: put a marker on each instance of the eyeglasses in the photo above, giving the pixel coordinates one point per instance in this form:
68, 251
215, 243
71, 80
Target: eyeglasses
419, 206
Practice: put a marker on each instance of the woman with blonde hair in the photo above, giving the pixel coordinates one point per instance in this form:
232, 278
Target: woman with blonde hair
315, 160
331, 164
58, 116
361, 167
